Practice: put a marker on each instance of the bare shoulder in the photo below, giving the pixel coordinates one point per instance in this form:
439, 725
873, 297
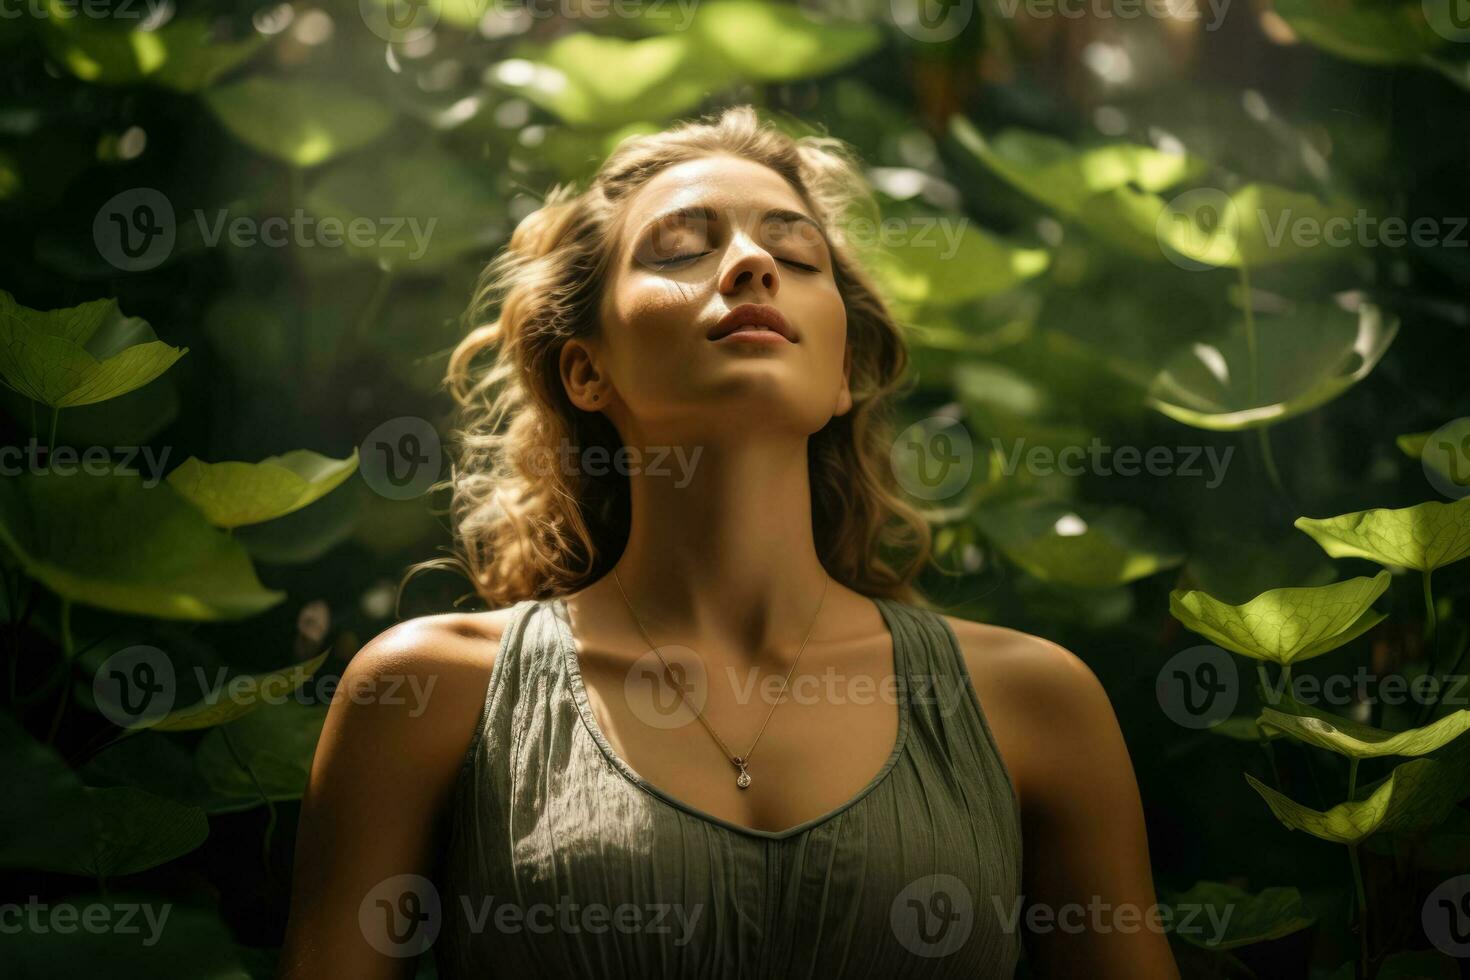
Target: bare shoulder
419, 686
1042, 702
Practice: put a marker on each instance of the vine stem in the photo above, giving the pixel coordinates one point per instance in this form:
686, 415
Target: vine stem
1263, 436
1362, 972
1358, 882
68, 653
270, 825
51, 440
1431, 644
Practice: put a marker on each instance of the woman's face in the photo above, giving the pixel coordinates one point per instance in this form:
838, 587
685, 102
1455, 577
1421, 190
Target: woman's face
706, 245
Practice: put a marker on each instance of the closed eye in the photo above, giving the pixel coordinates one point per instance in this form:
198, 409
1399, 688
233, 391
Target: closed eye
676, 259
801, 265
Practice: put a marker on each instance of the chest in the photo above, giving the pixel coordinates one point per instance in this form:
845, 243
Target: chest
811, 742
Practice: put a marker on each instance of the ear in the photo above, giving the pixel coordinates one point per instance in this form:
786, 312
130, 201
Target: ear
844, 395
585, 386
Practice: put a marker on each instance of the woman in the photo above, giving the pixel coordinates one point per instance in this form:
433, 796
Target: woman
708, 729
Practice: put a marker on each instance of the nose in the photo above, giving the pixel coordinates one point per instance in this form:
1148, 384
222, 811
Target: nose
748, 265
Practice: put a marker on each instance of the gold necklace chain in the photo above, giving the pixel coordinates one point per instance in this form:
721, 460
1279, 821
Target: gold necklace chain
740, 761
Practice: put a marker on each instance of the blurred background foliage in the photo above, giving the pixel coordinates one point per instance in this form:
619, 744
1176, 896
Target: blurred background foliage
1085, 298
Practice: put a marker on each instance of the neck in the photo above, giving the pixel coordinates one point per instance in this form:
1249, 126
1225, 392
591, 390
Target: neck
723, 548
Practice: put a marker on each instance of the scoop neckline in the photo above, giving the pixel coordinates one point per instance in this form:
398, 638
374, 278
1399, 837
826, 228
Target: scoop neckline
589, 721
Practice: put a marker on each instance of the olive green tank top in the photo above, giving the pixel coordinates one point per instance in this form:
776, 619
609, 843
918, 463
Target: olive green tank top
562, 862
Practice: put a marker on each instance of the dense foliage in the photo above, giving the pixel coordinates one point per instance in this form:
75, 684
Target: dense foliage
1186, 290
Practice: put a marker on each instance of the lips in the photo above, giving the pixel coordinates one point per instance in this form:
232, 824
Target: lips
753, 316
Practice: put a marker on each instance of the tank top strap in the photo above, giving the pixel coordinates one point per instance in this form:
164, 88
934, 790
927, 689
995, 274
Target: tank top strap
944, 705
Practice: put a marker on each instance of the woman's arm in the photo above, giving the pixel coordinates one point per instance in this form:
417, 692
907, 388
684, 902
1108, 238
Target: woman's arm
394, 739
1090, 906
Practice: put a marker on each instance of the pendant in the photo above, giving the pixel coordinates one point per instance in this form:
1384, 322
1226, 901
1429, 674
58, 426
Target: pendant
742, 780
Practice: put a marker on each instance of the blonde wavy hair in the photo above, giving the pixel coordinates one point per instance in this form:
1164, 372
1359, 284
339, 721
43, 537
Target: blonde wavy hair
530, 531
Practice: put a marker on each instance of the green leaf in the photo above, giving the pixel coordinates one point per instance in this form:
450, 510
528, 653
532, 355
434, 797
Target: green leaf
1243, 728
1347, 737
301, 122
1415, 795
589, 80
1250, 919
237, 697
1255, 226
1064, 177
116, 543
775, 42
1423, 537
166, 939
276, 742
1373, 33
940, 271
49, 821
1302, 359
232, 494
1285, 626
435, 221
78, 356
184, 54
1086, 547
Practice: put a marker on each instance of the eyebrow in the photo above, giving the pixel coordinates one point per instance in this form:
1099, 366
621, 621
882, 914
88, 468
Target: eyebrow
711, 215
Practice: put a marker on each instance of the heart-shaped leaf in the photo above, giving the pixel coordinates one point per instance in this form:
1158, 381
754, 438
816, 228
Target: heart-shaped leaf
1423, 537
1285, 626
237, 697
1064, 177
276, 742
1415, 795
184, 54
117, 543
1087, 547
235, 494
1347, 737
590, 80
1301, 360
777, 42
49, 821
80, 355
1248, 919
301, 122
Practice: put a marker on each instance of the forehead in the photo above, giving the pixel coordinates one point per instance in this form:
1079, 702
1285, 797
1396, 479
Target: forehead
722, 182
